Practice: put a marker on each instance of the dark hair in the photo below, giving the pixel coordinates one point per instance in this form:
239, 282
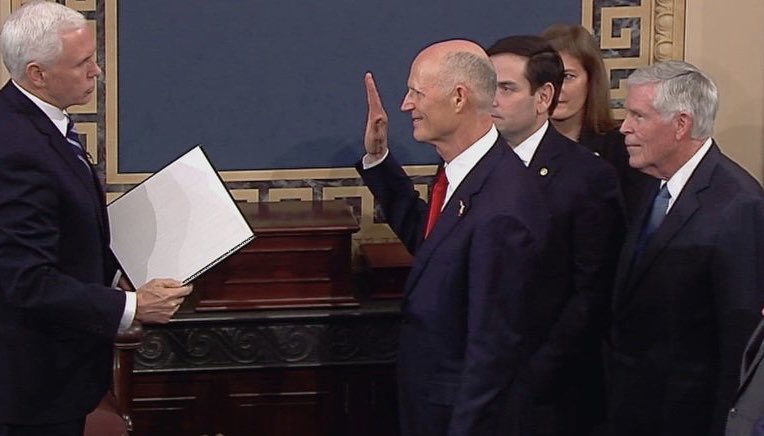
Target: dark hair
576, 41
544, 64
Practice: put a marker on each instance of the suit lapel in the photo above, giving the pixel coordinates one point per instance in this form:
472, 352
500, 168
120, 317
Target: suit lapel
456, 209
62, 148
544, 164
683, 209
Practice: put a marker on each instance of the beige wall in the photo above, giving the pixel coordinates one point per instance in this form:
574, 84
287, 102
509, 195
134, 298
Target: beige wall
726, 39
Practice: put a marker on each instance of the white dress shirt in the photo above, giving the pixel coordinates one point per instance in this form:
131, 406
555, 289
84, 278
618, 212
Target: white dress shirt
459, 167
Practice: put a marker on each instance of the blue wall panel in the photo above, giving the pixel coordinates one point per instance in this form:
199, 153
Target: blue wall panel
279, 84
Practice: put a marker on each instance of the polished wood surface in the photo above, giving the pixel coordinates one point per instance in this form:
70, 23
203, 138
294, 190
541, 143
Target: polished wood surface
300, 257
387, 267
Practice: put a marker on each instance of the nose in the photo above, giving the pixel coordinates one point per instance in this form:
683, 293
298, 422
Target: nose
96, 70
407, 105
625, 125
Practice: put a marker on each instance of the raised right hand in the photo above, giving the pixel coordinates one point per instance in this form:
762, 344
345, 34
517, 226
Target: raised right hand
159, 299
375, 139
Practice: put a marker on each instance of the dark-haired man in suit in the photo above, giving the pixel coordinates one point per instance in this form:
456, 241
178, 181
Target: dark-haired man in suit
58, 314
689, 281
468, 300
566, 391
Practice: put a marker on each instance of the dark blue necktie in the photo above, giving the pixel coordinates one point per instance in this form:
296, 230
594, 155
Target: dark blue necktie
73, 138
654, 220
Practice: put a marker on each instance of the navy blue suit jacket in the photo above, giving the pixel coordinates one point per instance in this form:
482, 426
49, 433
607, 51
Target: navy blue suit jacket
58, 318
567, 373
682, 312
468, 309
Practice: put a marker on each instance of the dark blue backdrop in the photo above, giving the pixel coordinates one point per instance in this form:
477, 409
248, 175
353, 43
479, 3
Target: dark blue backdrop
279, 84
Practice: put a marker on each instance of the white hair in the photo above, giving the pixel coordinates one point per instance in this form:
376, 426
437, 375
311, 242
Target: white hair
474, 71
681, 87
33, 34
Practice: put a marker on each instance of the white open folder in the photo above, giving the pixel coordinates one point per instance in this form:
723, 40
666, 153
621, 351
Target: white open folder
177, 223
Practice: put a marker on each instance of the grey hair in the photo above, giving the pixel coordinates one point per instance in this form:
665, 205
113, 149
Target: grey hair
681, 87
33, 34
472, 70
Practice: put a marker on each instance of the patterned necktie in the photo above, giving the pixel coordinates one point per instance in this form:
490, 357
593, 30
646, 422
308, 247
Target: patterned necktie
73, 138
437, 198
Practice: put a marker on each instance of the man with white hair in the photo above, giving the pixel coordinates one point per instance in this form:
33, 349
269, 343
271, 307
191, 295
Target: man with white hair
469, 309
58, 313
690, 276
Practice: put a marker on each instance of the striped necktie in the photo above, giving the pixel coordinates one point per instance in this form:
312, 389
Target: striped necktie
73, 138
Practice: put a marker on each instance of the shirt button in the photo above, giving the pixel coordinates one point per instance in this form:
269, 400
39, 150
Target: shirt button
733, 412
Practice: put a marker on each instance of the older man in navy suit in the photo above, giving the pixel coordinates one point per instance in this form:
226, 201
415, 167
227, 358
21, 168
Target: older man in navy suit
567, 393
58, 314
469, 303
689, 281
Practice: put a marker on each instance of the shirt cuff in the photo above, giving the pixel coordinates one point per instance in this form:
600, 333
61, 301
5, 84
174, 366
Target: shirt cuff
129, 314
369, 162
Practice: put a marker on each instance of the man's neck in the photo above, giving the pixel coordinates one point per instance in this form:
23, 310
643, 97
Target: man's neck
463, 138
37, 92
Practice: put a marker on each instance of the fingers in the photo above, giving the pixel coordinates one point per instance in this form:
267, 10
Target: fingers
159, 299
375, 138
372, 95
164, 283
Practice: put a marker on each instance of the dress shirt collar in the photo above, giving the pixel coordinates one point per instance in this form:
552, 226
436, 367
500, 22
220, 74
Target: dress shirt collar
679, 179
526, 149
58, 117
461, 165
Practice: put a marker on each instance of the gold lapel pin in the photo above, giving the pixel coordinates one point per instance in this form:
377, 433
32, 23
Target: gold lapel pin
461, 207
543, 171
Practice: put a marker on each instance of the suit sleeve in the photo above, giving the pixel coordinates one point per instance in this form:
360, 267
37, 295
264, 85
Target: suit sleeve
738, 287
393, 190
503, 260
596, 235
31, 280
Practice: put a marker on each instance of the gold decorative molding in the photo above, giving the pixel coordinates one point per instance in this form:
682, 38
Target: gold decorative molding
632, 33
635, 35
668, 30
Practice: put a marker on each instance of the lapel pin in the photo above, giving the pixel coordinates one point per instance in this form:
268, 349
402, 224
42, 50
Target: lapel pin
461, 207
543, 171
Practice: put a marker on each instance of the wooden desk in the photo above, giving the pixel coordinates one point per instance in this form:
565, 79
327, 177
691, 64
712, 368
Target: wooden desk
301, 257
307, 372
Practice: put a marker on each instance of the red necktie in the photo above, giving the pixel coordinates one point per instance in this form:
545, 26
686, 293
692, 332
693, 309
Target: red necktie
437, 198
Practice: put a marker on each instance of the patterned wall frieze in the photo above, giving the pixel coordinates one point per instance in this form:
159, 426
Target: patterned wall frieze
632, 33
238, 345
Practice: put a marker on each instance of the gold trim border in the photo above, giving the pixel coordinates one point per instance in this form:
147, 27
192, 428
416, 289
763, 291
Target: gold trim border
661, 27
665, 28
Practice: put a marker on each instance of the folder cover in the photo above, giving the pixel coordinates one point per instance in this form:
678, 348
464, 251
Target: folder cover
178, 223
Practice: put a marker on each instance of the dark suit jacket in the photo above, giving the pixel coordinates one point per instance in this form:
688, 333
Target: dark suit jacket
57, 317
746, 417
635, 185
469, 305
588, 224
683, 311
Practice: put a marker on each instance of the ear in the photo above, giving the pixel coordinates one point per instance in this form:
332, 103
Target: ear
683, 125
544, 96
35, 74
459, 98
